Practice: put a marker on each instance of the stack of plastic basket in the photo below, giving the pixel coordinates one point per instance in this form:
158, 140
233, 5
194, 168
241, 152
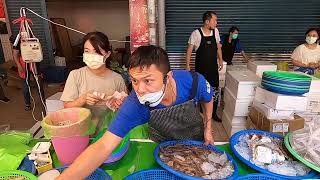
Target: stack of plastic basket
69, 130
283, 82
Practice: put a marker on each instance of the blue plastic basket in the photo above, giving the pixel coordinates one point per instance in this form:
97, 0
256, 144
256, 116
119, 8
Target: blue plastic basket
234, 140
191, 143
258, 177
27, 165
117, 156
98, 174
152, 174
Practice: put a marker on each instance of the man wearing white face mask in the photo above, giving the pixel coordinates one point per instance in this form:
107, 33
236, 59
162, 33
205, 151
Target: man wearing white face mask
88, 86
306, 57
164, 98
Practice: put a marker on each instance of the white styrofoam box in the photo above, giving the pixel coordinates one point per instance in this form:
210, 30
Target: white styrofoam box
271, 113
59, 61
242, 84
235, 120
315, 83
313, 102
258, 67
222, 81
230, 129
237, 68
281, 101
236, 107
54, 103
224, 69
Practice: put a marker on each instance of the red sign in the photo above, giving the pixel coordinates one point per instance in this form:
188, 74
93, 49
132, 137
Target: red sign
139, 29
2, 13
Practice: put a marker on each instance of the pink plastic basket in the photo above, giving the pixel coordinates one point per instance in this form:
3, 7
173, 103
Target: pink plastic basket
68, 149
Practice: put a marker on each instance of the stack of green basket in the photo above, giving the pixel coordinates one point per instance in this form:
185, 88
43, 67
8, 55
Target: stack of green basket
283, 82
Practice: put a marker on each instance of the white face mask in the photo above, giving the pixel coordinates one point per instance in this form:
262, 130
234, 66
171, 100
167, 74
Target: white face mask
311, 40
93, 61
152, 99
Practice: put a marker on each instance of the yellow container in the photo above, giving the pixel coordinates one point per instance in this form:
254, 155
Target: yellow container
282, 66
46, 167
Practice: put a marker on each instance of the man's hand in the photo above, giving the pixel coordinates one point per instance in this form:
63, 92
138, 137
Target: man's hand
208, 137
188, 68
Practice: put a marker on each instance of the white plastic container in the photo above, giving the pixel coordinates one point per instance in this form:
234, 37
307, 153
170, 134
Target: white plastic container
237, 107
281, 101
54, 103
258, 67
230, 129
242, 84
271, 113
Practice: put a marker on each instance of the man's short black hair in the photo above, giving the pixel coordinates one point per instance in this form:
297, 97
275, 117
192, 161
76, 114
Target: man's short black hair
145, 56
208, 15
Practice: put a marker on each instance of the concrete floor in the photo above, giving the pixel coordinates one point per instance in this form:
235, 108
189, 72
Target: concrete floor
13, 113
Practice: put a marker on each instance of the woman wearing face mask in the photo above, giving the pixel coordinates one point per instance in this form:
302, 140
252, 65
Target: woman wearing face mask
306, 57
90, 85
231, 44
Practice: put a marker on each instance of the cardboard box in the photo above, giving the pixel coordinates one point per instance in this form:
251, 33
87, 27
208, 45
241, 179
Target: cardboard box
271, 113
276, 126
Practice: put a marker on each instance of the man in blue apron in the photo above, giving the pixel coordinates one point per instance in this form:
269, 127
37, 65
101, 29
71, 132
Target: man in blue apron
206, 42
164, 98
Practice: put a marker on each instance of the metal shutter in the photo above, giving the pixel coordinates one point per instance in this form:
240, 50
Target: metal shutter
265, 25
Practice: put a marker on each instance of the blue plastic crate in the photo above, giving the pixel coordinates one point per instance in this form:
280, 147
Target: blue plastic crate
152, 174
27, 165
191, 143
258, 177
98, 174
234, 140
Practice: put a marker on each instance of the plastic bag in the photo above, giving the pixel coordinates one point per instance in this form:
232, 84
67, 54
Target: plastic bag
306, 141
68, 122
13, 148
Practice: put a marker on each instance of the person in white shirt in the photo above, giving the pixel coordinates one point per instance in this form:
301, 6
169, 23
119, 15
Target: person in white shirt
306, 57
206, 42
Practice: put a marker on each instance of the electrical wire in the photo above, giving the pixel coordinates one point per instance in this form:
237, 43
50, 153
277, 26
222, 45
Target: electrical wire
21, 9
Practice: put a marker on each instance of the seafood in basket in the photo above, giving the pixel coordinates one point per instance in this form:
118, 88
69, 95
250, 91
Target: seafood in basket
269, 153
197, 161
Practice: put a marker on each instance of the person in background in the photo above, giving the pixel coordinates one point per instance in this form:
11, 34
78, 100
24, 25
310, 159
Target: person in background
3, 97
166, 99
206, 42
89, 86
231, 44
306, 57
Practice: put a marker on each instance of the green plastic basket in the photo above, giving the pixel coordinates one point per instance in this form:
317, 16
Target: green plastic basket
287, 75
16, 174
296, 155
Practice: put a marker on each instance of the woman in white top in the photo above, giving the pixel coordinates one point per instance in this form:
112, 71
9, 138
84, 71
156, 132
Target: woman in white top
89, 86
306, 57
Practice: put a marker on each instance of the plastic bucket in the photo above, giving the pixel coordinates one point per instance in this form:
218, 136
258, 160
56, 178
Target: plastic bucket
68, 149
